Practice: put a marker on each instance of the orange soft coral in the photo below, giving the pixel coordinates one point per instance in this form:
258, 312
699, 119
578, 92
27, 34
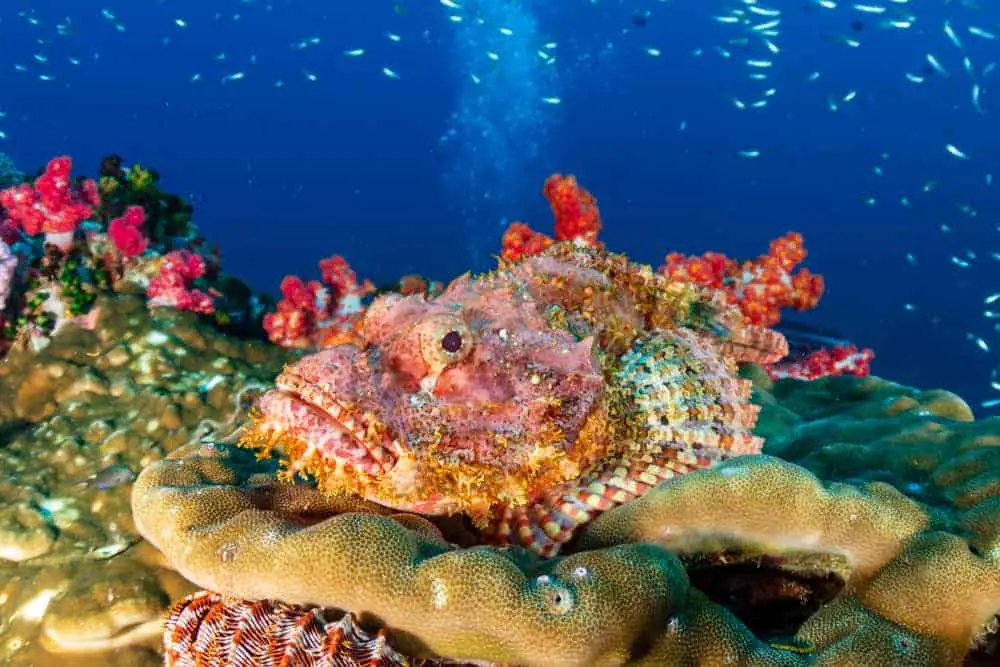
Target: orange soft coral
576, 214
520, 241
760, 287
575, 210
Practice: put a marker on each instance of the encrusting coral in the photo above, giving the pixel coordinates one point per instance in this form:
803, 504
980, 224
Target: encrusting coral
225, 526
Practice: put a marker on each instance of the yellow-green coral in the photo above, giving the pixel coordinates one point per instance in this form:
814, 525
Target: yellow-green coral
623, 590
929, 587
139, 177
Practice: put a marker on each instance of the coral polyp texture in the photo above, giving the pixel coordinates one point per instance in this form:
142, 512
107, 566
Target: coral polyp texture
529, 399
78, 420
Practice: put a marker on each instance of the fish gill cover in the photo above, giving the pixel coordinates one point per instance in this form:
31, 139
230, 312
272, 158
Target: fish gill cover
342, 161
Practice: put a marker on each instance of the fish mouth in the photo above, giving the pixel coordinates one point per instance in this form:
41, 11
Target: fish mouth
316, 429
345, 448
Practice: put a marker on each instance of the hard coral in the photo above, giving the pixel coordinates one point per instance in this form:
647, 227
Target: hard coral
78, 586
911, 596
483, 604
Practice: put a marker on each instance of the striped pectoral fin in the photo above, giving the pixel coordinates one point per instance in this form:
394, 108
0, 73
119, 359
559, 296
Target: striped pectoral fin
546, 525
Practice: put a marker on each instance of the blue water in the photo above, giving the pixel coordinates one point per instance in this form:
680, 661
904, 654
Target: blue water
420, 173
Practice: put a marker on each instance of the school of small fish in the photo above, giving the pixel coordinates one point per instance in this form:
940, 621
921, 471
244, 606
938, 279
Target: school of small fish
959, 45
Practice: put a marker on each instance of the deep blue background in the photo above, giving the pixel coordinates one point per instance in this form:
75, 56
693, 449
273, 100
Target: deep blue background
352, 163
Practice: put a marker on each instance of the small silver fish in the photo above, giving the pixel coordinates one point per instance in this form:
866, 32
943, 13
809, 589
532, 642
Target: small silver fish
110, 477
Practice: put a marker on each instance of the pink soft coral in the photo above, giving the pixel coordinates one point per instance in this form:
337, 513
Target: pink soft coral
126, 234
172, 285
54, 205
314, 314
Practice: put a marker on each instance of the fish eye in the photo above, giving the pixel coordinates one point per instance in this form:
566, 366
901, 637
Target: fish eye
452, 342
444, 340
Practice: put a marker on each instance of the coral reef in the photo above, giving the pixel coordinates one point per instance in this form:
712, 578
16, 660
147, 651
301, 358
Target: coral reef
540, 466
78, 420
577, 219
54, 204
761, 287
74, 239
313, 314
825, 362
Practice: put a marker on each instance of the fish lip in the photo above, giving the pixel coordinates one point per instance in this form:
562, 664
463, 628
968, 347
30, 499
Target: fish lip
301, 390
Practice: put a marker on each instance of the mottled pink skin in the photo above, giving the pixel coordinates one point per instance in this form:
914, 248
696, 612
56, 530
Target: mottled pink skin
514, 375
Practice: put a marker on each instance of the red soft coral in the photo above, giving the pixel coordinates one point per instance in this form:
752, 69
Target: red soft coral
520, 241
838, 360
312, 313
172, 285
54, 205
760, 287
575, 210
124, 232
577, 219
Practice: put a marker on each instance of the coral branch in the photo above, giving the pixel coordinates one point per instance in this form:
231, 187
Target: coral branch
839, 360
575, 210
577, 219
126, 234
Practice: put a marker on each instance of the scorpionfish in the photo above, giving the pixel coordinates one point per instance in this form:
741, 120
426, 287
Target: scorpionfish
530, 399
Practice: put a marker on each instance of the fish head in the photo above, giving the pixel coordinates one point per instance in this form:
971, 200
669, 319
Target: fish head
444, 405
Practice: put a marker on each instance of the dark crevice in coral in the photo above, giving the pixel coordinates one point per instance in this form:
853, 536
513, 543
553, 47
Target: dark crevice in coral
986, 651
765, 593
10, 429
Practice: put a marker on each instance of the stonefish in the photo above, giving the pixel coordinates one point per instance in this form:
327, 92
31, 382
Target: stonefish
530, 399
